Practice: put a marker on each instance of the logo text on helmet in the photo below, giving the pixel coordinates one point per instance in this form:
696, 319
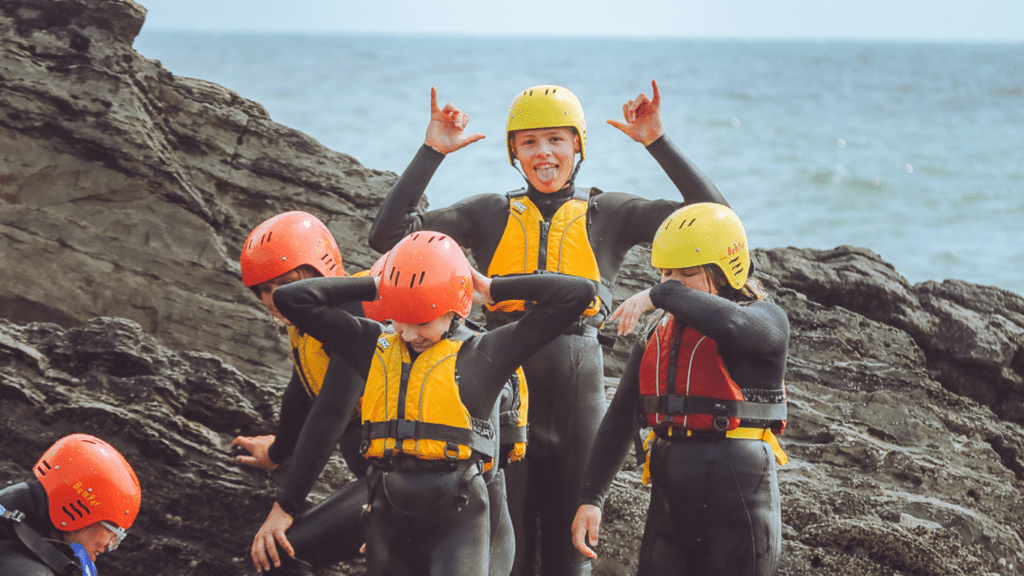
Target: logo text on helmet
736, 249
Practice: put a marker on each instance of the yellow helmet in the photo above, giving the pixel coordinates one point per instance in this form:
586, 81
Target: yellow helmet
546, 106
704, 233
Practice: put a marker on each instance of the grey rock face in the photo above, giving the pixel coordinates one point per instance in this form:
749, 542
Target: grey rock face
126, 192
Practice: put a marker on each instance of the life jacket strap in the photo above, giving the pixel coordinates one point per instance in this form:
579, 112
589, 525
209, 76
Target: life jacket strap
481, 439
41, 547
681, 405
511, 431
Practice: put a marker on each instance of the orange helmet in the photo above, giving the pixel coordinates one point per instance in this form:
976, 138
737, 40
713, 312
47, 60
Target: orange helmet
426, 276
88, 481
285, 242
375, 310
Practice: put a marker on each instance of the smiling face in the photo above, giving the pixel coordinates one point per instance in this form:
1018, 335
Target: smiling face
419, 337
547, 156
695, 277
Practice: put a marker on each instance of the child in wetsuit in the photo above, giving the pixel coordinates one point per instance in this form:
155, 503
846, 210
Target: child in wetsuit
429, 409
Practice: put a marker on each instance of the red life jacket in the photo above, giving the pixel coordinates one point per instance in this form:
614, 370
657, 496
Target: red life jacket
684, 383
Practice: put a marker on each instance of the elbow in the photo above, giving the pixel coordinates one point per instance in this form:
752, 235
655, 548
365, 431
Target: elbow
586, 294
377, 239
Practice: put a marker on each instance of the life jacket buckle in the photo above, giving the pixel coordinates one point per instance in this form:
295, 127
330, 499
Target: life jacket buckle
721, 423
403, 429
451, 451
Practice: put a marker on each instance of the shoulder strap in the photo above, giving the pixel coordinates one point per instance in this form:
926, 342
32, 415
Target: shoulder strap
45, 551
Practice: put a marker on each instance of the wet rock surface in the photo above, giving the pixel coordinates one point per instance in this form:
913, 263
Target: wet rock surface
125, 195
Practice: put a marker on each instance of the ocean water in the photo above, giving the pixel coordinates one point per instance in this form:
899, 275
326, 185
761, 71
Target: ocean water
914, 150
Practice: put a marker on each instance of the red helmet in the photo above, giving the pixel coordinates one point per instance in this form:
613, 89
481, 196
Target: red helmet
375, 310
285, 242
426, 276
88, 481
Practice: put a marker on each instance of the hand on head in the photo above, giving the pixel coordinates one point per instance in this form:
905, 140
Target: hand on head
445, 133
481, 287
642, 117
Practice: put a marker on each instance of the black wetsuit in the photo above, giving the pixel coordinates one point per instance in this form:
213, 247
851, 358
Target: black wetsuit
331, 531
565, 377
16, 559
714, 500
417, 519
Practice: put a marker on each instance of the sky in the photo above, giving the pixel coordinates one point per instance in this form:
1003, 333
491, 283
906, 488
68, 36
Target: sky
914, 20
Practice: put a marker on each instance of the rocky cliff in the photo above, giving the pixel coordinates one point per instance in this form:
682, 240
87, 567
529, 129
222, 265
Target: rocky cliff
125, 192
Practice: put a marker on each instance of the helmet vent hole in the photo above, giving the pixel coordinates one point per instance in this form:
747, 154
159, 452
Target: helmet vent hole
83, 507
70, 515
43, 471
422, 274
269, 235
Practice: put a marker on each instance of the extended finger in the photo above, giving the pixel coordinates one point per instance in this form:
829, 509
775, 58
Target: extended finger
259, 559
617, 312
620, 125
656, 94
243, 441
433, 101
285, 544
271, 550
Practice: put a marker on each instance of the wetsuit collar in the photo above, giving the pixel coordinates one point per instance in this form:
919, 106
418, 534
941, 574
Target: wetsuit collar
550, 202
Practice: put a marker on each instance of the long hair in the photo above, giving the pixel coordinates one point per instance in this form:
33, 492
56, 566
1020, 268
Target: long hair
751, 290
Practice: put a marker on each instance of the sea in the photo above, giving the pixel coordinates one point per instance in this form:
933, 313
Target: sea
912, 150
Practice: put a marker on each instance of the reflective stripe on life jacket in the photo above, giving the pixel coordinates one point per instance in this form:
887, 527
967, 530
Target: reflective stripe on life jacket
531, 243
684, 383
414, 407
309, 358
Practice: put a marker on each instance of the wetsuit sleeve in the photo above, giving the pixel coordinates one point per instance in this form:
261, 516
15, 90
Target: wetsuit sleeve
399, 214
757, 328
321, 432
615, 435
560, 300
693, 184
317, 307
295, 403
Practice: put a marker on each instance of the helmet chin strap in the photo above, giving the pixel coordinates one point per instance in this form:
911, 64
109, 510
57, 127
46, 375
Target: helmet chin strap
456, 322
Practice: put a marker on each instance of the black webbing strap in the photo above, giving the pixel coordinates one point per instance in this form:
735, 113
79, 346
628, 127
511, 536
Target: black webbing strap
482, 440
43, 549
678, 405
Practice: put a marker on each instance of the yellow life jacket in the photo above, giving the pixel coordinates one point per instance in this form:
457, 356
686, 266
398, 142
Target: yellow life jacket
415, 408
531, 243
309, 358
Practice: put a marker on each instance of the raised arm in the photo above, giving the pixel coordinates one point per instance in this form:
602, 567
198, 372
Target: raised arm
317, 307
560, 300
759, 328
398, 215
